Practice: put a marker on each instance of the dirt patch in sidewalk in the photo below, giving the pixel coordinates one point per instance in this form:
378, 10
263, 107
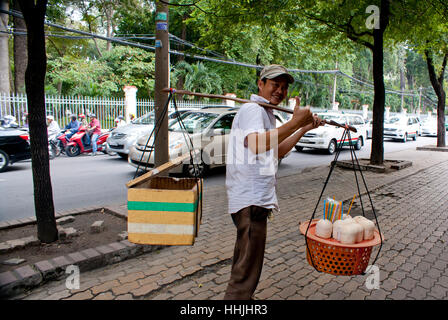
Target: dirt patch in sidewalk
84, 239
388, 166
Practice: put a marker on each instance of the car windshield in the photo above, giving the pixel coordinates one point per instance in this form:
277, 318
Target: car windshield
430, 122
148, 118
395, 120
333, 117
194, 122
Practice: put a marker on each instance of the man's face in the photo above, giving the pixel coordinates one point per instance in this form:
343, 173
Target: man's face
274, 90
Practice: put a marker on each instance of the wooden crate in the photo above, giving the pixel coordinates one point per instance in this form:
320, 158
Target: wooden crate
164, 210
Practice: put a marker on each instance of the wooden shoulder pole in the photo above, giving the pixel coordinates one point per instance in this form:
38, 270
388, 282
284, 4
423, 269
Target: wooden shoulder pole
266, 105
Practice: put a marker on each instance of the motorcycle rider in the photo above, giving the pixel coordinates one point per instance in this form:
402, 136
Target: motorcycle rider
82, 120
9, 121
93, 131
72, 127
119, 121
53, 128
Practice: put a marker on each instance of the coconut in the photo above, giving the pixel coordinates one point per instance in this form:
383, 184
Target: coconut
324, 228
348, 233
368, 228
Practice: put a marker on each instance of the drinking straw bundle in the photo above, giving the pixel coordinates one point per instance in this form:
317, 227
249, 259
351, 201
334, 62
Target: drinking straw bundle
333, 209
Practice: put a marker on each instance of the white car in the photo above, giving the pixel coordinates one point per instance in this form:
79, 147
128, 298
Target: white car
122, 138
402, 127
429, 127
208, 129
329, 137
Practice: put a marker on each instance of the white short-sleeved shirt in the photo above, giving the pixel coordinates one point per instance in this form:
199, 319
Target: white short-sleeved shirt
250, 178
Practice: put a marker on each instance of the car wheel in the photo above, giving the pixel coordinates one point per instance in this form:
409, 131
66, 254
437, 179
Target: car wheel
4, 160
299, 148
405, 138
331, 147
359, 143
72, 151
192, 171
415, 136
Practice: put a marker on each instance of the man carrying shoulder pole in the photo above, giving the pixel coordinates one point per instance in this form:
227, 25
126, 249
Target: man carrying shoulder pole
255, 145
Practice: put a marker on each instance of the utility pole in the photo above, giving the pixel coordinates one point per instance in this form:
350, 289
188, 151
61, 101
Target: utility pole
4, 51
161, 154
334, 89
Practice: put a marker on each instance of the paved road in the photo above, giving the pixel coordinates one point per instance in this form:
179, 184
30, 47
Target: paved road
86, 181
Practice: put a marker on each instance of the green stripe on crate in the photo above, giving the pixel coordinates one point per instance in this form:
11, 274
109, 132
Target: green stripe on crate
162, 206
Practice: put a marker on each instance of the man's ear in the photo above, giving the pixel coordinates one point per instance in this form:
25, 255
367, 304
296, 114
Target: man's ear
260, 84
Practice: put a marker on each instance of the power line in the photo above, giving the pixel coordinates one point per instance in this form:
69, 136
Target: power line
205, 58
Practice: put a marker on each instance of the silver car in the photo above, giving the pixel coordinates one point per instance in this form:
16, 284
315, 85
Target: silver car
122, 138
208, 129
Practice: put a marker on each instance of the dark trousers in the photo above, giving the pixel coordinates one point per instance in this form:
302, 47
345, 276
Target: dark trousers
249, 252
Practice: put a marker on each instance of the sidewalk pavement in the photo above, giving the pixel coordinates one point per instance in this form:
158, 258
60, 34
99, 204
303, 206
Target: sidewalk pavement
413, 262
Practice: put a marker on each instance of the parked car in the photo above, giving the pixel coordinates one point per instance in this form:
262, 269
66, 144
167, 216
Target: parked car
123, 137
14, 146
329, 137
209, 129
429, 127
402, 127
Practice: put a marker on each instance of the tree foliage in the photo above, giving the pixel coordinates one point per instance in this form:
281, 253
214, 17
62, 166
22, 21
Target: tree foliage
255, 32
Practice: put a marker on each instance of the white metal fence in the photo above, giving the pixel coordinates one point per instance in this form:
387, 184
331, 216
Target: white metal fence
106, 109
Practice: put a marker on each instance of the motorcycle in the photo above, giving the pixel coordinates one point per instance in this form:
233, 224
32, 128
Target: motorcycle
77, 145
61, 141
57, 145
53, 148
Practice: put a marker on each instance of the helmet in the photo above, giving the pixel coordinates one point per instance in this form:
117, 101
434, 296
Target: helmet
82, 116
50, 117
132, 115
92, 115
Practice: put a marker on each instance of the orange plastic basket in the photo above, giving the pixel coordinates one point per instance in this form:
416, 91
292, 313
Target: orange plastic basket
331, 256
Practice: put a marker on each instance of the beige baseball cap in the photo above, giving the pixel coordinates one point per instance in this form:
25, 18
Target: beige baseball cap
273, 71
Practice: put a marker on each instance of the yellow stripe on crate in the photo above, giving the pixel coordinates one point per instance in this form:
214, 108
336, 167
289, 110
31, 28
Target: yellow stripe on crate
161, 239
174, 229
161, 217
162, 195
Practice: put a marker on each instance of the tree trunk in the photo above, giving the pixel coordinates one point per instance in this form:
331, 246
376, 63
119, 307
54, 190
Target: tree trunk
437, 84
20, 53
377, 152
4, 50
109, 31
34, 15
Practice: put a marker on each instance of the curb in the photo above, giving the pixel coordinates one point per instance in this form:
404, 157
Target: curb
22, 279
433, 148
